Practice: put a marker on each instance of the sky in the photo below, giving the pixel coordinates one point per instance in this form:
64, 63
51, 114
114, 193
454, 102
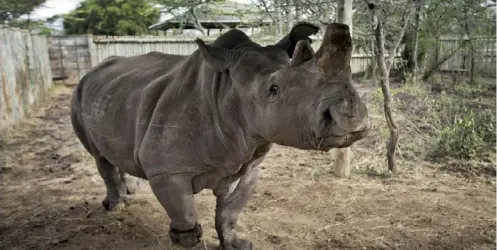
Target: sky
54, 7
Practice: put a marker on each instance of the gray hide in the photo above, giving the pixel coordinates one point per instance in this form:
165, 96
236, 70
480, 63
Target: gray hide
205, 121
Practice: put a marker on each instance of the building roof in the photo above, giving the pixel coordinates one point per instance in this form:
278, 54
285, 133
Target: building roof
216, 15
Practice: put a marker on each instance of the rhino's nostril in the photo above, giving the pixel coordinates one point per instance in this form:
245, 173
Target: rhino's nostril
327, 117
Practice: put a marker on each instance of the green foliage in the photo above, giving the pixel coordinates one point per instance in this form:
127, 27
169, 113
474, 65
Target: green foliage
455, 122
38, 26
466, 137
449, 17
45, 31
11, 10
465, 133
377, 97
111, 17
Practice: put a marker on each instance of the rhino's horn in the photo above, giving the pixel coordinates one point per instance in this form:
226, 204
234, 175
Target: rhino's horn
334, 54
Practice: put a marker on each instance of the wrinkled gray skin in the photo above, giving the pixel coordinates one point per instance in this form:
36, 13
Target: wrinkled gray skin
205, 121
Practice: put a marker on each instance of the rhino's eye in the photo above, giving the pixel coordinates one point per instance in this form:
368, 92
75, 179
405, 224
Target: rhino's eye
273, 89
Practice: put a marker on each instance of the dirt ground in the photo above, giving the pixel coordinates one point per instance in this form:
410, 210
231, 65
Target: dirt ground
50, 194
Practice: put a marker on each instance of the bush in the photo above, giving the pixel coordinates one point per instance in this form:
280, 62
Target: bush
469, 135
465, 90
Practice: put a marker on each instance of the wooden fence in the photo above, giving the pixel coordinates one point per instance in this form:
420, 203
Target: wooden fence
25, 73
104, 47
72, 56
484, 53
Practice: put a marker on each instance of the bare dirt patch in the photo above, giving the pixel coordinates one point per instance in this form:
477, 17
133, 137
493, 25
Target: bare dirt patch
51, 193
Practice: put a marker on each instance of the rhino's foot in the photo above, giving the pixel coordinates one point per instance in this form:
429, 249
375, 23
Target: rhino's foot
190, 238
114, 205
238, 244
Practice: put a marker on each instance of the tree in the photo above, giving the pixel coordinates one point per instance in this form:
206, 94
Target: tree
111, 17
411, 40
187, 9
379, 17
285, 12
434, 19
11, 10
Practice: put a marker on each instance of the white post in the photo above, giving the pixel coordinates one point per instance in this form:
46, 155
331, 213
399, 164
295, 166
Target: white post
342, 163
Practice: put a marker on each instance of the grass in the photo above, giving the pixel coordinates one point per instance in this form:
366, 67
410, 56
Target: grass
455, 121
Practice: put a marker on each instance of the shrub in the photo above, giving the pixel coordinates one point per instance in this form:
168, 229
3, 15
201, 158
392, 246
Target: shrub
469, 134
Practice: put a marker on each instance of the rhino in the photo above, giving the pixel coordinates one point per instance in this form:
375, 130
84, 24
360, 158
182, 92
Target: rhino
206, 120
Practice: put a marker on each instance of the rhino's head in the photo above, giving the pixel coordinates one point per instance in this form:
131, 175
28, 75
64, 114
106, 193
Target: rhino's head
307, 102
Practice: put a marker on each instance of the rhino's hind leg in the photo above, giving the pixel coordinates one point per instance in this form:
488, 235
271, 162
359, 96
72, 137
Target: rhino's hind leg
231, 199
175, 193
115, 187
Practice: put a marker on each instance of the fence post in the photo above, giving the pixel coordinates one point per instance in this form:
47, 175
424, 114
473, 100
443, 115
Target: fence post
61, 57
75, 44
92, 51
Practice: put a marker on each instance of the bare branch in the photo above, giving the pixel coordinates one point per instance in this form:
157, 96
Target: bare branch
197, 24
392, 53
266, 9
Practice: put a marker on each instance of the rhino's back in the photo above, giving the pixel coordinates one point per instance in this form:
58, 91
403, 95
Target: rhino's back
106, 104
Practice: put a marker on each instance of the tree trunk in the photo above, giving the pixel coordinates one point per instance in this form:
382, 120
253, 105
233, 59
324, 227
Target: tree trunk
411, 41
416, 37
373, 64
342, 163
196, 23
28, 21
472, 63
291, 16
384, 70
279, 18
471, 49
297, 11
287, 16
387, 97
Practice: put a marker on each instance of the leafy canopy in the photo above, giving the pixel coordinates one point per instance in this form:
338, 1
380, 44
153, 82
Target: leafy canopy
111, 17
11, 10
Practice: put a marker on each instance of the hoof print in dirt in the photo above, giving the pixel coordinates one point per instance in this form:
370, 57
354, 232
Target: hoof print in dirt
190, 238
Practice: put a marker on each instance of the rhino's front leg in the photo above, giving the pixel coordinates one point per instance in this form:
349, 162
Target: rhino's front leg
176, 196
231, 199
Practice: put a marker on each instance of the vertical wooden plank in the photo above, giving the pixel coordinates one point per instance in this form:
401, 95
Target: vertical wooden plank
93, 51
23, 65
76, 46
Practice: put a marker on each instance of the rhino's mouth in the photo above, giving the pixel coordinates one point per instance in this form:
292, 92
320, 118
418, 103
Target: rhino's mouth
333, 141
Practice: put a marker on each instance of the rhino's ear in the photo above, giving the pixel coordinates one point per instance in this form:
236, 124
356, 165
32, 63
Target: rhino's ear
303, 53
300, 31
219, 58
